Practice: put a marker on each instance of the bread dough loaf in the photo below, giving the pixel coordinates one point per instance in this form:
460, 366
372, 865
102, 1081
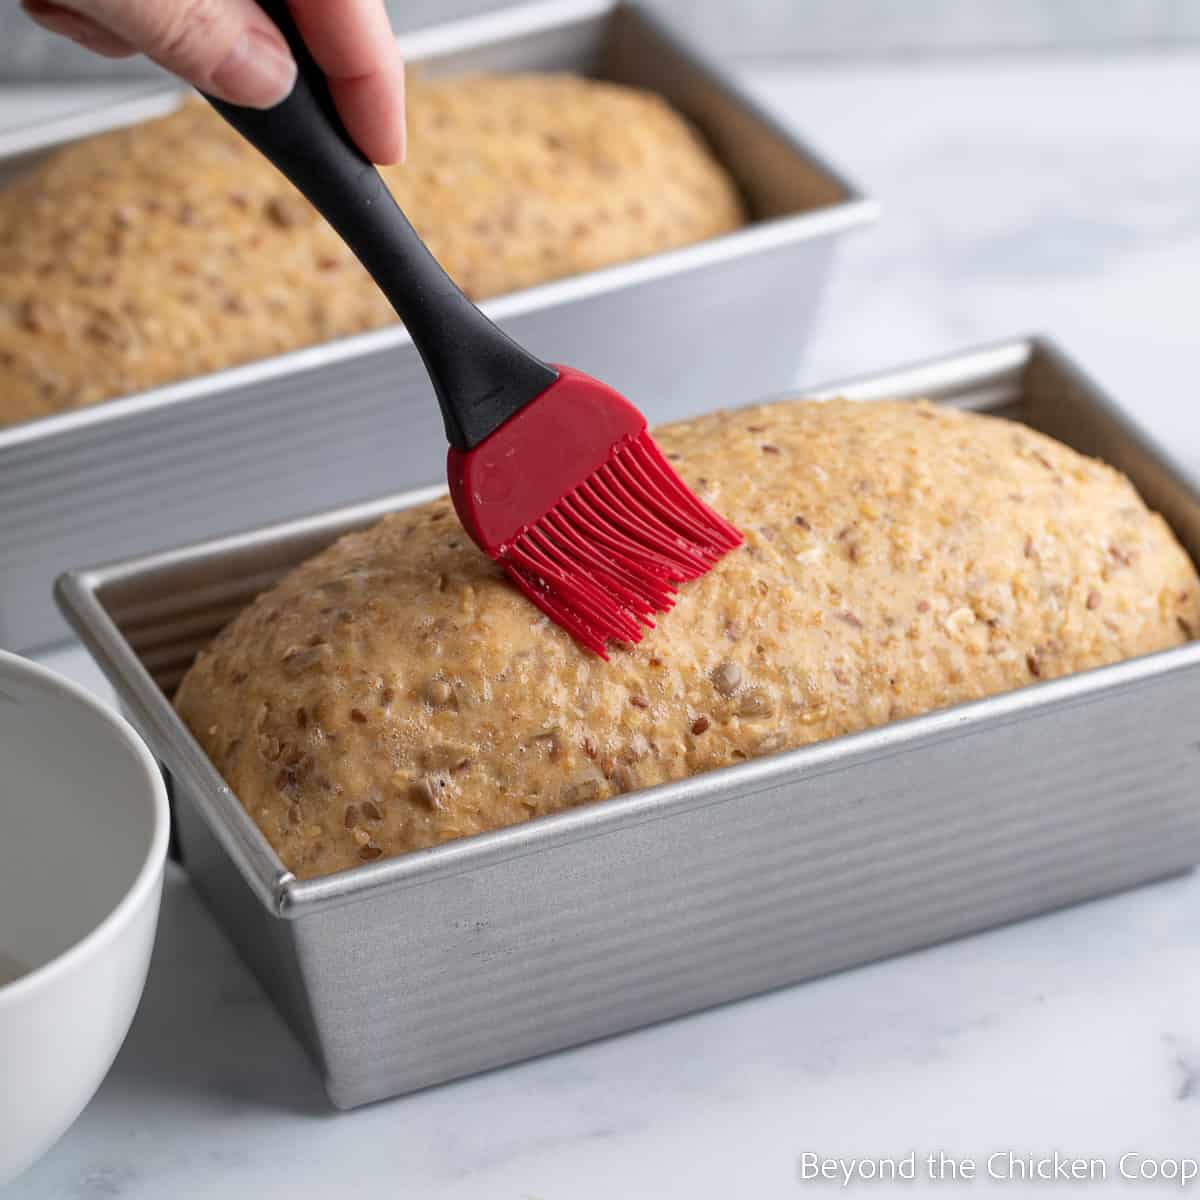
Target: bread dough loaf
395, 691
173, 248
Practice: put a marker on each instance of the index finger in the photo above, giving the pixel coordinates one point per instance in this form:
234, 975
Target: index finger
352, 42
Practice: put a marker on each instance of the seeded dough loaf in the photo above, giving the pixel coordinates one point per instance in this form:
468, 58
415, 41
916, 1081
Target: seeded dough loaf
171, 249
395, 691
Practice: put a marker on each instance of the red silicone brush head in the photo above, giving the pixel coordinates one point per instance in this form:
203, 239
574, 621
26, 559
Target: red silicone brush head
573, 498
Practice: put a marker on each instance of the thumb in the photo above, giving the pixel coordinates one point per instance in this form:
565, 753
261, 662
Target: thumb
229, 48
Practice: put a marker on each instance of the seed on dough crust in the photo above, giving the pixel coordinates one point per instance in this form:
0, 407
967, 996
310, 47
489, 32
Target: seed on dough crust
726, 677
552, 741
625, 778
298, 660
428, 790
582, 789
36, 315
755, 703
699, 725
285, 210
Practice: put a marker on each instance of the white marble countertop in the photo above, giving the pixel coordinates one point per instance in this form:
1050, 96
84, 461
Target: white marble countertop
1055, 194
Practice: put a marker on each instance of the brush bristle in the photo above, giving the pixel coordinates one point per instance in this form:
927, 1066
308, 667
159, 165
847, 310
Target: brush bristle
611, 552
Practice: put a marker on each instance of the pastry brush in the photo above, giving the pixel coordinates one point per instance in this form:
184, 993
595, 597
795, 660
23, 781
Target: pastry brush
553, 474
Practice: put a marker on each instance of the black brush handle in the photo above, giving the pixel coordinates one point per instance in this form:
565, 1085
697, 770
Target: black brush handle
481, 376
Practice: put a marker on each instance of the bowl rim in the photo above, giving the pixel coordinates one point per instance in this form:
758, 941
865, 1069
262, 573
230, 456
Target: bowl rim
150, 870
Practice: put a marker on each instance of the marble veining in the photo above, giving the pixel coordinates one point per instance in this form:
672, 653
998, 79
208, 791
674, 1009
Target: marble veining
1186, 1058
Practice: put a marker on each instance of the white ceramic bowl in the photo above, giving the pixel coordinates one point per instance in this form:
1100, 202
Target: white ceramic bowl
83, 840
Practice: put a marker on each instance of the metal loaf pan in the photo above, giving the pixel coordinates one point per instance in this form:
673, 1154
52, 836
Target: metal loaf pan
351, 419
490, 949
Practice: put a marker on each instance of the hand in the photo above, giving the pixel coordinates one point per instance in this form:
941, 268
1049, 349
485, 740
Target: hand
231, 49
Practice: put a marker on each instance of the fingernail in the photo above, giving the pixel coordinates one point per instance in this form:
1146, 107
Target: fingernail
258, 72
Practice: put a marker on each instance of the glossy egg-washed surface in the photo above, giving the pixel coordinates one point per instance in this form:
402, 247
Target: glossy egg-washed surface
395, 691
172, 249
